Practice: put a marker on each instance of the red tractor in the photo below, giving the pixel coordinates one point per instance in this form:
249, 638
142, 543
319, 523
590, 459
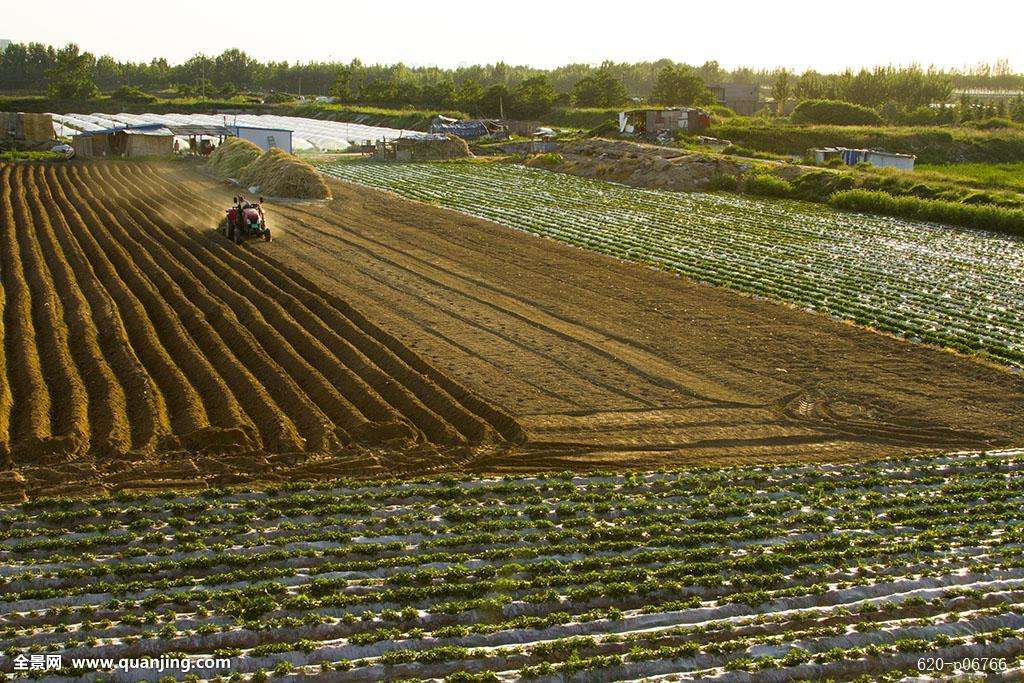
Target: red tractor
245, 220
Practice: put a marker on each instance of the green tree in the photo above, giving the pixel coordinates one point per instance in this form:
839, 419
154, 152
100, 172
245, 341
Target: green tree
469, 95
234, 67
71, 75
495, 101
343, 85
811, 85
599, 89
782, 88
677, 85
533, 97
438, 92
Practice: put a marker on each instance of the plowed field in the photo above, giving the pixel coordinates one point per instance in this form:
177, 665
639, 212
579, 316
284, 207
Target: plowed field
377, 335
128, 332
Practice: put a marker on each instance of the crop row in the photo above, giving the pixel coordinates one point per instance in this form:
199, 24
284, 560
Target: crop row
708, 573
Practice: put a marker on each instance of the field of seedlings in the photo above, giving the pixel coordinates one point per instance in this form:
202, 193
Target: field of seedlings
952, 288
131, 328
899, 566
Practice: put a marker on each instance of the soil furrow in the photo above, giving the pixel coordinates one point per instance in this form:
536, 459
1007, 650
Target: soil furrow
5, 380
107, 413
292, 346
30, 421
396, 356
69, 415
157, 335
433, 420
145, 409
221, 342
335, 311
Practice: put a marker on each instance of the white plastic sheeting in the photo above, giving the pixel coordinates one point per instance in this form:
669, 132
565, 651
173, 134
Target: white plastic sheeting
307, 134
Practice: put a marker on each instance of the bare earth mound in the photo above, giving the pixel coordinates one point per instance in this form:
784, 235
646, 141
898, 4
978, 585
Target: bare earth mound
382, 336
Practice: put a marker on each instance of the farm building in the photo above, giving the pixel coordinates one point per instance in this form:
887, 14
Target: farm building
875, 157
26, 130
281, 138
654, 121
745, 100
469, 129
154, 139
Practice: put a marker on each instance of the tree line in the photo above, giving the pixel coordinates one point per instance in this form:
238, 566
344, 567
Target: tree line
490, 89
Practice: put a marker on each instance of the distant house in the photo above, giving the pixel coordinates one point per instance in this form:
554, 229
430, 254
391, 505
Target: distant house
127, 141
650, 122
745, 100
157, 139
150, 139
875, 157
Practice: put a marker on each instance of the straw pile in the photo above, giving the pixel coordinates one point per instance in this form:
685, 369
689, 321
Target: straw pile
229, 160
275, 172
451, 147
37, 127
280, 174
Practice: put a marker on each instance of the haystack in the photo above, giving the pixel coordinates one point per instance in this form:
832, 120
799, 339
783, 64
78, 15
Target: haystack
280, 174
231, 158
432, 149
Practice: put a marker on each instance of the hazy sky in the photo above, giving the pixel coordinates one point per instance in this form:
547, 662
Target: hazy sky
823, 34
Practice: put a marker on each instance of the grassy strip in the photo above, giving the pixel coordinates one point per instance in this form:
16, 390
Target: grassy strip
932, 145
23, 155
984, 217
1000, 176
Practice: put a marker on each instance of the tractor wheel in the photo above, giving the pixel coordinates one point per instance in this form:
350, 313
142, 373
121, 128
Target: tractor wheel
266, 236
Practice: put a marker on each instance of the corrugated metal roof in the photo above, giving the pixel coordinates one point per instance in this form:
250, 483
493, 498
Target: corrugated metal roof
272, 130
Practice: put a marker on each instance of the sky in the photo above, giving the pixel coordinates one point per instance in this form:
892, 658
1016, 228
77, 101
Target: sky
822, 34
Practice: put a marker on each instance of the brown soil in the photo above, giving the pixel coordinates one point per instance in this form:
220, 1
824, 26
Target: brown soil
140, 345
378, 335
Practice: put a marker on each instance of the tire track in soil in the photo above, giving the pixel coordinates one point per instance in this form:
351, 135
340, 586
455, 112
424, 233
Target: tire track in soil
204, 347
243, 327
105, 400
452, 310
30, 397
147, 412
633, 359
158, 335
493, 340
474, 417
